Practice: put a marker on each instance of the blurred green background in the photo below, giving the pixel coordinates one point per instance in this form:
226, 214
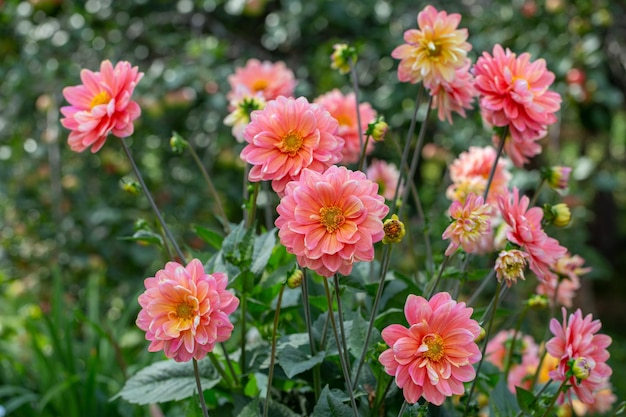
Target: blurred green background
68, 279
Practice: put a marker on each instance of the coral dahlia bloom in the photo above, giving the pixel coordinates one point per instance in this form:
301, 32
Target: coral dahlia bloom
470, 222
434, 356
524, 229
435, 51
386, 175
287, 136
269, 78
185, 311
343, 108
577, 339
101, 105
514, 93
331, 220
454, 96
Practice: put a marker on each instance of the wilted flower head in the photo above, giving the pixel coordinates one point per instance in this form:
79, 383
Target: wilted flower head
435, 51
343, 108
331, 220
510, 266
394, 230
576, 339
185, 311
386, 175
434, 356
341, 56
454, 96
287, 136
470, 221
271, 79
101, 105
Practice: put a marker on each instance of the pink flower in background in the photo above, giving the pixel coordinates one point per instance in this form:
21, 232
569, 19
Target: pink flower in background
435, 51
343, 108
577, 339
470, 171
386, 175
524, 229
185, 311
287, 136
514, 93
568, 270
331, 220
604, 400
520, 151
269, 78
471, 221
525, 357
241, 105
434, 356
101, 105
454, 96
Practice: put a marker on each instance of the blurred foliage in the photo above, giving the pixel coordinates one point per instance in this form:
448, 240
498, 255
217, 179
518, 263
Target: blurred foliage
63, 214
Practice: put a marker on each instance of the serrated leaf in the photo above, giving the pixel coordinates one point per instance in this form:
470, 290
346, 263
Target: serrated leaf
263, 247
331, 405
251, 410
277, 409
503, 403
211, 237
167, 381
358, 332
294, 361
146, 237
525, 399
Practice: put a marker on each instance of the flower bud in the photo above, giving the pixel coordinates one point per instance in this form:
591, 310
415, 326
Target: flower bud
538, 301
558, 177
481, 335
177, 143
295, 279
394, 230
131, 187
341, 56
377, 129
562, 215
581, 368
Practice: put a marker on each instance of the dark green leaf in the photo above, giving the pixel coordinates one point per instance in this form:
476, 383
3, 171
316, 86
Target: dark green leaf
294, 361
145, 236
331, 405
263, 247
525, 399
503, 403
211, 237
251, 410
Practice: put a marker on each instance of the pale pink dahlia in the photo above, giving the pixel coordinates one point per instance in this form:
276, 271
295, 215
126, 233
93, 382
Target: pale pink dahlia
287, 136
514, 93
331, 220
386, 175
524, 229
470, 222
343, 108
454, 96
577, 339
435, 51
470, 171
101, 105
185, 311
434, 356
510, 266
268, 78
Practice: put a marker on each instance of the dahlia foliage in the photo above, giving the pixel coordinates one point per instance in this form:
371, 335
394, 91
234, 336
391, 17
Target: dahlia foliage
330, 226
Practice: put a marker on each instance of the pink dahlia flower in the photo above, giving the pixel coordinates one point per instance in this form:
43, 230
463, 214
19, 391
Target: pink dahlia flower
454, 96
470, 223
525, 357
287, 136
435, 51
185, 311
524, 229
270, 79
514, 93
386, 176
343, 108
434, 356
577, 339
101, 105
469, 173
331, 220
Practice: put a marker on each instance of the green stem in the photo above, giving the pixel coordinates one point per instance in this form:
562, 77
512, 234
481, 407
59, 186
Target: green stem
355, 87
342, 361
439, 275
492, 173
252, 206
546, 333
317, 385
270, 375
509, 357
481, 287
484, 349
556, 396
363, 153
229, 363
342, 330
196, 373
533, 201
220, 370
212, 190
545, 386
402, 409
244, 314
153, 205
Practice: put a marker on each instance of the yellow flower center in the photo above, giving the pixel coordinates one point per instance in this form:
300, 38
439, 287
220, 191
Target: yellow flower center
291, 143
343, 120
101, 98
331, 218
433, 49
185, 311
436, 350
259, 85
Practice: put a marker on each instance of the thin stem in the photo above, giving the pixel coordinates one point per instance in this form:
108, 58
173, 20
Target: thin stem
509, 357
481, 287
484, 349
556, 395
402, 409
342, 361
317, 388
355, 87
252, 206
196, 373
373, 313
212, 190
363, 153
439, 275
492, 173
342, 330
219, 369
155, 209
545, 386
244, 314
533, 201
546, 333
270, 375
229, 363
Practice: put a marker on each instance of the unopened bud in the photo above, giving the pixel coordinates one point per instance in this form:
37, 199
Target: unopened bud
140, 224
557, 177
581, 368
177, 143
131, 187
341, 56
538, 301
562, 215
481, 335
394, 230
377, 129
295, 279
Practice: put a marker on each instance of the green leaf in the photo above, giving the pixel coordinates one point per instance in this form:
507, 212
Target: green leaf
525, 399
211, 237
167, 381
503, 403
251, 410
277, 409
263, 247
331, 405
294, 361
358, 331
146, 237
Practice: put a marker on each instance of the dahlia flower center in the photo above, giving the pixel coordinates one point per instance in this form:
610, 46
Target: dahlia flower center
433, 49
343, 120
291, 143
435, 346
331, 218
185, 311
259, 85
101, 98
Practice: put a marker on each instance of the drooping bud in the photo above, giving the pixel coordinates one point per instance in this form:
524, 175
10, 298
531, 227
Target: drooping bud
394, 230
177, 143
295, 279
